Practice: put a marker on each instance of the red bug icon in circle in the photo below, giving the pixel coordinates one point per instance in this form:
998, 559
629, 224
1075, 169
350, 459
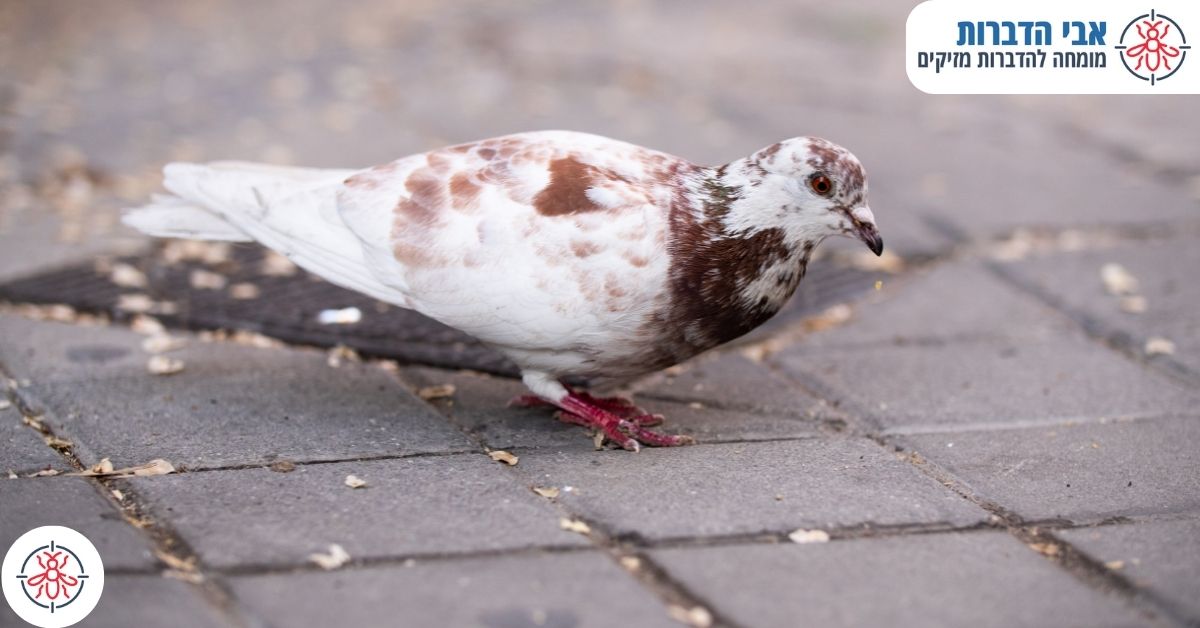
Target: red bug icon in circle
1158, 49
52, 577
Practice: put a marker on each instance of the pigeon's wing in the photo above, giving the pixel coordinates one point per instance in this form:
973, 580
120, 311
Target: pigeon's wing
533, 241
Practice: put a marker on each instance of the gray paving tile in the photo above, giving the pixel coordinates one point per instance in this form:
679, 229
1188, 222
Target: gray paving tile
22, 449
74, 503
1161, 556
1165, 273
480, 403
1087, 472
559, 590
966, 579
938, 385
231, 405
954, 300
153, 600
732, 381
746, 488
436, 504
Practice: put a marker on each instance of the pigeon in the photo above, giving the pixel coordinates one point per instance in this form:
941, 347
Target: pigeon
579, 257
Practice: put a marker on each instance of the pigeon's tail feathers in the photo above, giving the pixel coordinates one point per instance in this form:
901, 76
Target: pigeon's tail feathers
290, 210
169, 216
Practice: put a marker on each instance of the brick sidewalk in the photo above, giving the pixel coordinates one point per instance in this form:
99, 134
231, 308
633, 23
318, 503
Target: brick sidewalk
986, 440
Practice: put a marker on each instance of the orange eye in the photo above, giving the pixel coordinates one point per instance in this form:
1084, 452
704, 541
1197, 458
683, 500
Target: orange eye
821, 184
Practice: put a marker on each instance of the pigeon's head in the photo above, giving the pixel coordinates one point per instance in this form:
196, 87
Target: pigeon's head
814, 188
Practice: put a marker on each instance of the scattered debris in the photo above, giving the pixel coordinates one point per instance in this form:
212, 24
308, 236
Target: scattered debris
1045, 549
598, 440
878, 284
162, 343
696, 405
127, 276
147, 325
244, 291
117, 493
44, 473
211, 253
162, 365
574, 525
276, 265
61, 444
1115, 565
549, 492
507, 458
5, 404
697, 616
201, 279
1134, 304
12, 475
104, 468
1117, 280
809, 536
441, 391
353, 481
175, 562
344, 316
1159, 346
341, 353
252, 339
282, 466
336, 557
631, 563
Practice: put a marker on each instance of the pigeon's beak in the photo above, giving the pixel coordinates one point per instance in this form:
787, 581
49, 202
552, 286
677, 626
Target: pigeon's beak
864, 228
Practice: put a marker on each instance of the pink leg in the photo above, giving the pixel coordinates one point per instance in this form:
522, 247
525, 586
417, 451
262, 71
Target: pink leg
623, 407
628, 434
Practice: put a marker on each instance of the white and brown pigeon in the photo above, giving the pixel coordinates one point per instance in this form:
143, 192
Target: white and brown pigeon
576, 256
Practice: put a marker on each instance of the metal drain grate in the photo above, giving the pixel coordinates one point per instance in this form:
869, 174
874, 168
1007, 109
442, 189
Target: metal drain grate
287, 307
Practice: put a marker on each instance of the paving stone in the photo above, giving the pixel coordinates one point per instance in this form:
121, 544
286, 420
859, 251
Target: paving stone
153, 600
746, 488
937, 385
562, 590
422, 505
1085, 473
480, 404
22, 449
964, 579
1161, 556
1165, 271
951, 301
231, 405
75, 503
732, 381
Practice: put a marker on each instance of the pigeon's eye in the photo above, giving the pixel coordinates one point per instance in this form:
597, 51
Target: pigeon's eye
821, 184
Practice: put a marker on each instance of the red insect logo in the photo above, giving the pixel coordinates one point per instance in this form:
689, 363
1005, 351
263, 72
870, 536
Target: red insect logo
52, 582
1153, 52
1160, 51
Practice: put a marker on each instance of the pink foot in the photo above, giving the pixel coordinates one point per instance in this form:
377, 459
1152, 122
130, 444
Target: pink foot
630, 433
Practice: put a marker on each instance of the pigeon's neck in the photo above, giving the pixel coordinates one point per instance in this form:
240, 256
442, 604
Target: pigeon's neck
728, 274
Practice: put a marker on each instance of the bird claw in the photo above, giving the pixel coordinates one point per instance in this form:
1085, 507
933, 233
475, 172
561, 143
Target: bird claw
618, 418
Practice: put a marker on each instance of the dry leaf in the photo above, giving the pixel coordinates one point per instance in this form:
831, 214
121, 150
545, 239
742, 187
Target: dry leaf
175, 562
201, 279
353, 481
1117, 280
697, 616
283, 466
158, 466
244, 291
809, 536
441, 391
574, 525
162, 343
336, 557
162, 365
36, 423
344, 316
503, 456
192, 577
696, 405
631, 563
100, 468
1115, 564
1133, 304
44, 473
118, 494
549, 492
1045, 549
12, 475
127, 276
1159, 346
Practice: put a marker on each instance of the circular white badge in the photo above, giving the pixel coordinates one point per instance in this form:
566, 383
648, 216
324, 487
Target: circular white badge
52, 577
